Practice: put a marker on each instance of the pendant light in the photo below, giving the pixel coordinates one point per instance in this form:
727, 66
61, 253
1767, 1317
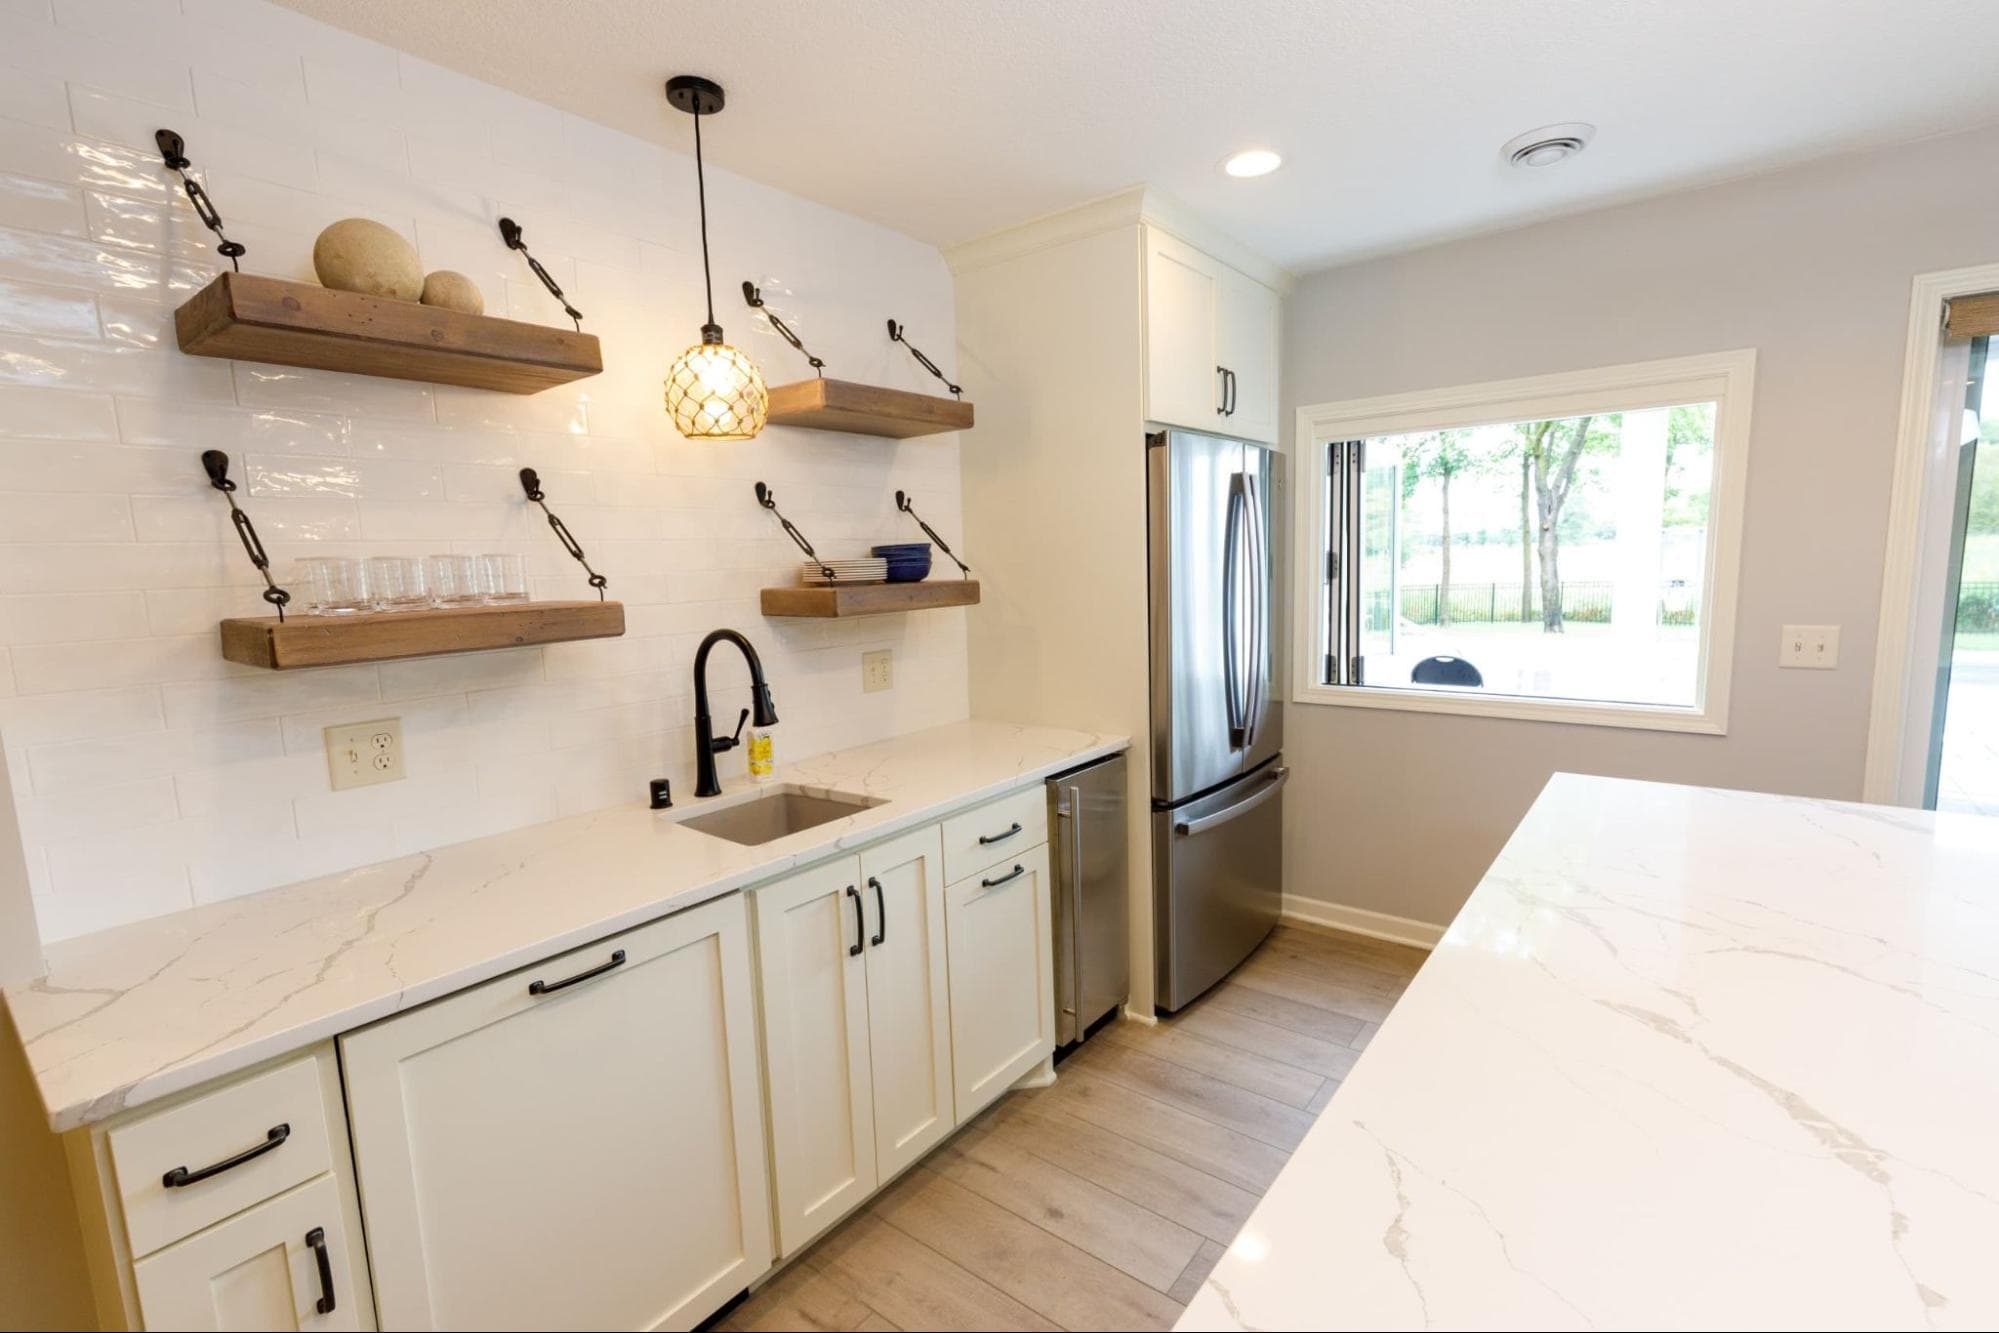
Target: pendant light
713, 391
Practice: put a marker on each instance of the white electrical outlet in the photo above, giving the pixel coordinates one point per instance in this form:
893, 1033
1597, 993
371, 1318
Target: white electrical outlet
361, 754
1811, 647
877, 670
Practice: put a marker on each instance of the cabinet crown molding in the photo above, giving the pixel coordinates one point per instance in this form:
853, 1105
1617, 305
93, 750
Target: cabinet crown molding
1138, 204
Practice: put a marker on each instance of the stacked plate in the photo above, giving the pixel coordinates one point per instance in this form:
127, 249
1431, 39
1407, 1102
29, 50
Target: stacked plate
908, 562
844, 571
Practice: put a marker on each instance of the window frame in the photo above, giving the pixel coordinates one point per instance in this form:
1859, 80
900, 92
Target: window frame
1725, 378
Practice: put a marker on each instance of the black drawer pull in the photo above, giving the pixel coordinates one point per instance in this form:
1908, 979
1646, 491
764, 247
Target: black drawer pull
1007, 878
881, 910
316, 1239
988, 839
550, 987
181, 1176
860, 924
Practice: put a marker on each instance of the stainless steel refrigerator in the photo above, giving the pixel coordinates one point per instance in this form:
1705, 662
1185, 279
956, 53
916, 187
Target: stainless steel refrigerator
1217, 726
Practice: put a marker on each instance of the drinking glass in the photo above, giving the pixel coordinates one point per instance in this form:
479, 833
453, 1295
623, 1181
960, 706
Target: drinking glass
332, 585
503, 578
398, 583
454, 579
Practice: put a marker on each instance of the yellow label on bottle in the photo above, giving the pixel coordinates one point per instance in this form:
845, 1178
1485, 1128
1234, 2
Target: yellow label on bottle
763, 759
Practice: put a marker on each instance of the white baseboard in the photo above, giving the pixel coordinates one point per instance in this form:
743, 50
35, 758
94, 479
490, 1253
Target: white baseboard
1360, 921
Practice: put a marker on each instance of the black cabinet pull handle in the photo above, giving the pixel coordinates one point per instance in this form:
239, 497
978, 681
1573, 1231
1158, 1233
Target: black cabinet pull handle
181, 1176
988, 839
1232, 393
316, 1240
1007, 878
860, 925
550, 987
1222, 389
881, 910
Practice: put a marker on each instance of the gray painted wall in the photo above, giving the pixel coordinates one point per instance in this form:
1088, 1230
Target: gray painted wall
1401, 812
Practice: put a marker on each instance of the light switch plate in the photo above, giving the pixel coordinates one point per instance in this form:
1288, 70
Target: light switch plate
361, 754
1811, 647
877, 670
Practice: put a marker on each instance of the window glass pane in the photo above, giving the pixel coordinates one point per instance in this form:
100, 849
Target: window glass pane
1553, 559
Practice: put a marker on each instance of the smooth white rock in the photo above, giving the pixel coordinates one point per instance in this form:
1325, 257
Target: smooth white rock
145, 1010
1687, 1059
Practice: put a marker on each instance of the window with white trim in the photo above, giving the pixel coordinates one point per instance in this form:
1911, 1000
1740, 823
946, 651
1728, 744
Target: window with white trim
1562, 547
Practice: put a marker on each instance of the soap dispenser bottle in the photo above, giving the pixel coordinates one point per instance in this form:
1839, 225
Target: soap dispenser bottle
762, 751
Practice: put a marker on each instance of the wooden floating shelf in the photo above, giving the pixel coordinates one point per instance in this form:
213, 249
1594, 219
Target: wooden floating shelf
311, 641
868, 599
865, 409
251, 318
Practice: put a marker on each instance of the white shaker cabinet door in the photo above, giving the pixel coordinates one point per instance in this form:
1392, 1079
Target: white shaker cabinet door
1182, 373
287, 1263
1247, 316
575, 1145
1002, 976
812, 944
909, 1003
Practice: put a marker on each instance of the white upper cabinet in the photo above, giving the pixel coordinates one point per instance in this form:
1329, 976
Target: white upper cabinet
1183, 378
1210, 343
576, 1145
1247, 314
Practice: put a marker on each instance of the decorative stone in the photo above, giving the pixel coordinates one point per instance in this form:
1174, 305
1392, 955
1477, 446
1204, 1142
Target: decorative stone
453, 291
362, 255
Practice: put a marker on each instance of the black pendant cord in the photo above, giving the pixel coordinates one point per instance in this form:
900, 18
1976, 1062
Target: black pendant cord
216, 464
768, 499
531, 483
510, 232
895, 332
173, 150
701, 190
754, 295
902, 503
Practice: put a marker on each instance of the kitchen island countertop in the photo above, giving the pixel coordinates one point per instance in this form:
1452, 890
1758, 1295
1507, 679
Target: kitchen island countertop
1688, 1058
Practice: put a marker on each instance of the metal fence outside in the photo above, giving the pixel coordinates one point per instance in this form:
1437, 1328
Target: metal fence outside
1583, 603
1978, 608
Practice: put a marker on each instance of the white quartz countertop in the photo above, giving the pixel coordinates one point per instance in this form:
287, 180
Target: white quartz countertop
145, 1010
1687, 1059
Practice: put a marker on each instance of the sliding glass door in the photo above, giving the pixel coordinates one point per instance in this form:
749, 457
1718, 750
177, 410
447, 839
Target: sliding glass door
1963, 770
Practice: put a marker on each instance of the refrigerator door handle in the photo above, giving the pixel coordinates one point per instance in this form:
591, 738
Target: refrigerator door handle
1232, 681
1257, 673
1273, 783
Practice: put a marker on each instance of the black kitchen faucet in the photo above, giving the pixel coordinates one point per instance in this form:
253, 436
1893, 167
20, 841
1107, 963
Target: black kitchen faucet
706, 743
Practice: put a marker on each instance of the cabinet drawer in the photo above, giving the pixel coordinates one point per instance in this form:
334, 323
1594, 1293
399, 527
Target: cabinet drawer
230, 1148
992, 832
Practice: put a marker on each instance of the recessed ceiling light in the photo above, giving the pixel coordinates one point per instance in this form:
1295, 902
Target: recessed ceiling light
1548, 145
1252, 162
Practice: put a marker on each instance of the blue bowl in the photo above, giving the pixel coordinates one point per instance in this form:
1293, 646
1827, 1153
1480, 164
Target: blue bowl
911, 550
908, 570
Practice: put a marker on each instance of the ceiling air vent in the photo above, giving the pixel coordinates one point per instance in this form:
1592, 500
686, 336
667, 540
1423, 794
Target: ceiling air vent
1548, 145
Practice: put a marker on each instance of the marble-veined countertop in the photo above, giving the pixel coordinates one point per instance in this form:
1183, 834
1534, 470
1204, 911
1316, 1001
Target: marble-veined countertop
145, 1010
1687, 1058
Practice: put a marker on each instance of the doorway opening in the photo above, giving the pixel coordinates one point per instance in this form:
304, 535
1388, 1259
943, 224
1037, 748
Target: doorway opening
1962, 772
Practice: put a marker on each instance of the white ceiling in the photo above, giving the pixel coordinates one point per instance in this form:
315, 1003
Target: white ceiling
949, 119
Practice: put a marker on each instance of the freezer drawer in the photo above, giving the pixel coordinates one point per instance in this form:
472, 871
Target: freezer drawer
1217, 867
1086, 811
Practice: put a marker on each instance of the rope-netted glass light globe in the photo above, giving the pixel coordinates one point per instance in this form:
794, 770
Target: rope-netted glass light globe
714, 392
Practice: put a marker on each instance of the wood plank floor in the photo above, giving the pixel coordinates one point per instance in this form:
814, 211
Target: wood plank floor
1103, 1201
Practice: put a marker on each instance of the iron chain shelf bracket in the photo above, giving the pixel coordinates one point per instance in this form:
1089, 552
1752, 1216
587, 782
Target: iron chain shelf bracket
902, 502
754, 295
531, 483
216, 464
510, 232
895, 332
768, 499
173, 151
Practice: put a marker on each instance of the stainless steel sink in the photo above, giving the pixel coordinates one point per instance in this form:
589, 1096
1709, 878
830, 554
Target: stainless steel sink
777, 814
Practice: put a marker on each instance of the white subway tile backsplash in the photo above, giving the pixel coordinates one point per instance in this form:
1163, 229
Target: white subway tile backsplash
151, 773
